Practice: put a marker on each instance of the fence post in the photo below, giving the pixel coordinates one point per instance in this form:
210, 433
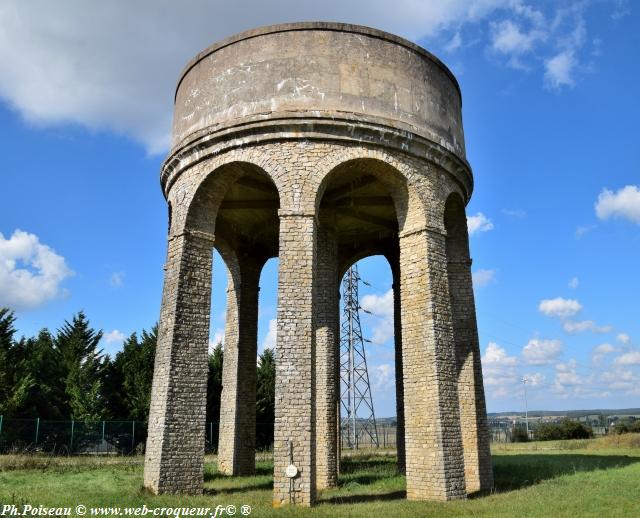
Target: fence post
133, 437
71, 441
37, 430
1, 416
211, 435
103, 423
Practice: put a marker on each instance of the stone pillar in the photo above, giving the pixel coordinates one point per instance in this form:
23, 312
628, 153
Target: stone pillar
434, 455
175, 444
294, 432
327, 321
473, 412
236, 445
397, 330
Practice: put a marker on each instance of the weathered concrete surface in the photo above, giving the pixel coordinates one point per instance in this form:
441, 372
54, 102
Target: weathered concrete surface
321, 144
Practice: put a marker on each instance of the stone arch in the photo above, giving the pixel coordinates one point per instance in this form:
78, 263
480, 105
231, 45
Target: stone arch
395, 174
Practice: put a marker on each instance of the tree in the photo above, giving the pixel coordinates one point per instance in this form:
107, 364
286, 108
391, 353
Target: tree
214, 385
15, 382
36, 357
265, 398
83, 366
128, 378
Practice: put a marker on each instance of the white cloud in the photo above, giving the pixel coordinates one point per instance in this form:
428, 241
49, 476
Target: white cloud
509, 38
498, 368
114, 65
383, 377
30, 272
624, 203
116, 280
272, 335
567, 376
478, 223
573, 283
380, 306
482, 278
535, 379
541, 352
630, 358
559, 70
586, 325
601, 352
114, 337
560, 307
623, 338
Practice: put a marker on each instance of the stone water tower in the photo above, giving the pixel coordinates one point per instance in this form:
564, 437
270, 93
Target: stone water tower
322, 144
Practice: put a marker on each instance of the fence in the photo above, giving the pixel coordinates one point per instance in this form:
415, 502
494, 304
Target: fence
129, 437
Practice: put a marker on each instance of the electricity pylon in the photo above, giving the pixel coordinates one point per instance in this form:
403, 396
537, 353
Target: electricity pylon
358, 419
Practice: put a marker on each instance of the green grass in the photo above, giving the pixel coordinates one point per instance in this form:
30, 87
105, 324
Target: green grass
564, 478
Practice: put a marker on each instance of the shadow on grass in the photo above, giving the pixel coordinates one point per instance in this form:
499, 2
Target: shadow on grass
257, 486
357, 499
511, 472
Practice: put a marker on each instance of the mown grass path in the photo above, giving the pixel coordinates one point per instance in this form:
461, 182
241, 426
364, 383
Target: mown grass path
585, 478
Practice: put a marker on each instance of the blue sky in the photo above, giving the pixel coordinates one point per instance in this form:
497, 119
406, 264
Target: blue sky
550, 111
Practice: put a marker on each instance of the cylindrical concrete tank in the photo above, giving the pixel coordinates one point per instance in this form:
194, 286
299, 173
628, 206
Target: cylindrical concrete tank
305, 77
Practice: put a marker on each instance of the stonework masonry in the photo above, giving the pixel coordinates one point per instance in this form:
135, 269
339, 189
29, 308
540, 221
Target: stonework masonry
321, 144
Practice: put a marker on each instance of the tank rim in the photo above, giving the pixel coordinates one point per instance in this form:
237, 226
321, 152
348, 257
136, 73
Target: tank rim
323, 26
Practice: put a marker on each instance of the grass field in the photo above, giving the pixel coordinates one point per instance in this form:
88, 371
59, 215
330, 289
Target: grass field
599, 477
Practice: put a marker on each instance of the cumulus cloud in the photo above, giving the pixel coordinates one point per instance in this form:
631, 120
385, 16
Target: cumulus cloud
624, 203
559, 70
383, 377
114, 337
573, 283
114, 65
630, 358
272, 335
498, 368
559, 307
482, 278
381, 306
541, 352
535, 379
623, 338
478, 223
31, 273
567, 376
572, 327
601, 352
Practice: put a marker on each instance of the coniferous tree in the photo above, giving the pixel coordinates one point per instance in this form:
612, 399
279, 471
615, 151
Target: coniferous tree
15, 381
83, 368
36, 358
265, 398
214, 386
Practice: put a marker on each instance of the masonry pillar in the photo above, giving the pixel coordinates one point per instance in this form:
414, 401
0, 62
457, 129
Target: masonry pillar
175, 443
397, 330
294, 434
327, 321
434, 454
236, 445
473, 412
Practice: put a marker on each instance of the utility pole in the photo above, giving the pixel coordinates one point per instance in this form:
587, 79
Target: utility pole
356, 403
526, 411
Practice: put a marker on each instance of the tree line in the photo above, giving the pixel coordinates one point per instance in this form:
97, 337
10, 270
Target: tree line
65, 375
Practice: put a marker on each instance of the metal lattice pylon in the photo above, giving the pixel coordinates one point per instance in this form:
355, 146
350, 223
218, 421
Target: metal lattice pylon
358, 419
